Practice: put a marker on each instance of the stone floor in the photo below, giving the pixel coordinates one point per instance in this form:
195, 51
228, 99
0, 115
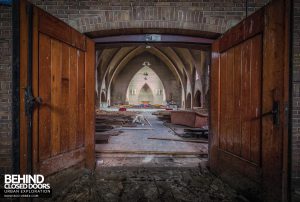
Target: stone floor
135, 177
134, 184
137, 140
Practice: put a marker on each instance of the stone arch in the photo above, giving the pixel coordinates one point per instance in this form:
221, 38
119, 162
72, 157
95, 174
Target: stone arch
197, 99
188, 103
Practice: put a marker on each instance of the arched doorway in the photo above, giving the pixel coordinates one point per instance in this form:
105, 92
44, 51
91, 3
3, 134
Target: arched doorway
189, 101
145, 87
197, 100
145, 95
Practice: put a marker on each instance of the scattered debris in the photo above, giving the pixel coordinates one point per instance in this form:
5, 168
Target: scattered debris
126, 128
140, 119
179, 140
107, 121
163, 115
172, 153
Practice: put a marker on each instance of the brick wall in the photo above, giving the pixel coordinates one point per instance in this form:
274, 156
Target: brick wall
204, 15
5, 88
296, 94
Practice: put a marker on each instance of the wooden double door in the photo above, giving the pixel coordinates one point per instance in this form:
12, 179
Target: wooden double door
57, 94
249, 93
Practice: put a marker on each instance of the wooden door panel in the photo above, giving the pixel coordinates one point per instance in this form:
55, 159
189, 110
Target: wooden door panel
237, 142
56, 108
73, 98
223, 101
81, 99
65, 90
61, 136
64, 84
240, 105
255, 108
248, 67
45, 110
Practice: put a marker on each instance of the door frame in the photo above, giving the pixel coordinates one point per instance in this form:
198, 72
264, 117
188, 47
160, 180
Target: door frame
16, 90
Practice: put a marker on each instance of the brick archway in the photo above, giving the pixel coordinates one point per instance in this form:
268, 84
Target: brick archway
205, 16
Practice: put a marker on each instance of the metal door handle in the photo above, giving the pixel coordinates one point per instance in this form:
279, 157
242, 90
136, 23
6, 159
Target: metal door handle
274, 113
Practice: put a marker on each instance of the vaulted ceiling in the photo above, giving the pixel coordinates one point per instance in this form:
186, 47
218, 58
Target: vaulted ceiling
183, 62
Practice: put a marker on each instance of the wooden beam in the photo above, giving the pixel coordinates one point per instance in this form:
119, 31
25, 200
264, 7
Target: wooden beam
90, 104
173, 153
62, 161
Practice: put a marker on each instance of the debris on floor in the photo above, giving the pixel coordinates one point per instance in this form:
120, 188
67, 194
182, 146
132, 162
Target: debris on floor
107, 124
163, 115
155, 140
112, 184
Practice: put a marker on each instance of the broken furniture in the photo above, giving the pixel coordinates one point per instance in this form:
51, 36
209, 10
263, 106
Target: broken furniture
189, 118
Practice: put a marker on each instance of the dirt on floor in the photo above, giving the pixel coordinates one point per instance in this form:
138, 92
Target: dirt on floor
133, 184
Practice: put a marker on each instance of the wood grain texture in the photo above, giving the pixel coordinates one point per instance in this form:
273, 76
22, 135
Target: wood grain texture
273, 90
59, 30
255, 165
214, 116
60, 75
247, 28
65, 99
62, 161
45, 94
35, 91
81, 100
90, 104
73, 98
56, 108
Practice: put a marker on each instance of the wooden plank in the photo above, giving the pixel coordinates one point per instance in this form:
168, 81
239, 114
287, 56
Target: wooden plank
230, 124
178, 140
65, 96
73, 99
177, 153
214, 115
45, 94
62, 161
56, 75
81, 100
78, 40
223, 100
23, 84
35, 91
237, 101
246, 100
273, 77
59, 30
135, 128
247, 28
90, 104
255, 109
